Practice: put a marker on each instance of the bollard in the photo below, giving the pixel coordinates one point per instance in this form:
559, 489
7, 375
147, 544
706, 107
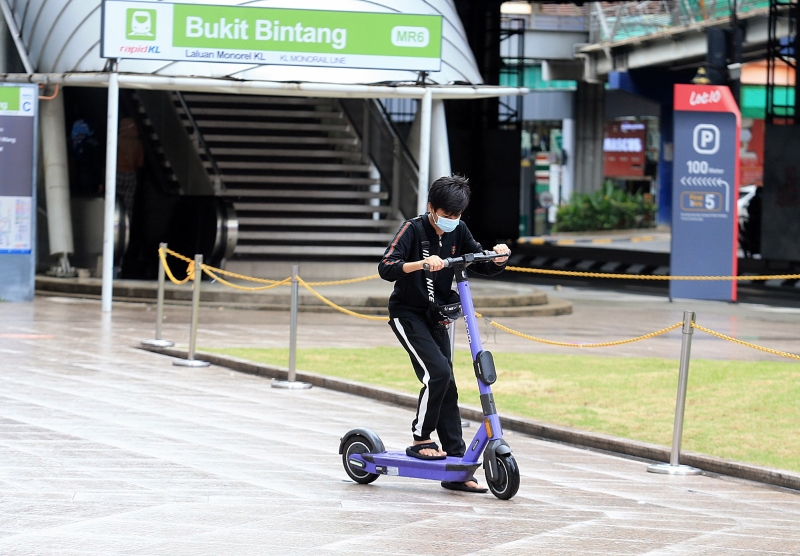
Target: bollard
291, 383
674, 467
158, 342
198, 276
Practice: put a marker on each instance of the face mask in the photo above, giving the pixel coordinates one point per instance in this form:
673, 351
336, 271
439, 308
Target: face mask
446, 224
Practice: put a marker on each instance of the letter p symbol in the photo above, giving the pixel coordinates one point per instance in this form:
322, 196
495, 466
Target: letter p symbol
705, 139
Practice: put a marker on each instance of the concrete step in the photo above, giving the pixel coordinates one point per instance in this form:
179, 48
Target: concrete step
212, 138
303, 194
304, 208
290, 166
221, 152
321, 222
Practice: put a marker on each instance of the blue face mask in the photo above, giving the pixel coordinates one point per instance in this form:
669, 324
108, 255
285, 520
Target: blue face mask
446, 224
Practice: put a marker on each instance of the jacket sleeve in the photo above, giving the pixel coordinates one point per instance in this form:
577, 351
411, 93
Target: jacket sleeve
391, 266
469, 245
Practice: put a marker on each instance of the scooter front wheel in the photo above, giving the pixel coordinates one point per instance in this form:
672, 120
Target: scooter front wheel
507, 483
357, 445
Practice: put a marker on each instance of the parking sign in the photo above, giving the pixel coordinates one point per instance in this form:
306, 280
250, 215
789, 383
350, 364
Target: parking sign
704, 191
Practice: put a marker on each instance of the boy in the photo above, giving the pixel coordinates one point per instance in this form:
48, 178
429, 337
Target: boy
427, 239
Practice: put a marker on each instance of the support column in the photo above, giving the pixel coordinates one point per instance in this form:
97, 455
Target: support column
664, 195
440, 146
56, 176
112, 127
568, 168
590, 115
425, 106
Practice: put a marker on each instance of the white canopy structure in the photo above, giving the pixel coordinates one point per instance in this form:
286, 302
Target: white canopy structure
60, 42
66, 39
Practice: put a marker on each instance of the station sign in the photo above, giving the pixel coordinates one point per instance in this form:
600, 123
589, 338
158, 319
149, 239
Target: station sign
18, 106
253, 35
705, 191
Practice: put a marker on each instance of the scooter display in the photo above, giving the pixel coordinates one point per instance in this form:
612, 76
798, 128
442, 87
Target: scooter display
365, 458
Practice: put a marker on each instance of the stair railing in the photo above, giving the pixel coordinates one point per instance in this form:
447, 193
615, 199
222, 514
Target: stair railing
219, 186
383, 145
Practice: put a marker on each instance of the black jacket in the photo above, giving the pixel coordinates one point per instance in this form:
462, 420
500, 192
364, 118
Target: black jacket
410, 296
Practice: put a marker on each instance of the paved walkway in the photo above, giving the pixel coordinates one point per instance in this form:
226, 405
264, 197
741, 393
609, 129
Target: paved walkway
106, 449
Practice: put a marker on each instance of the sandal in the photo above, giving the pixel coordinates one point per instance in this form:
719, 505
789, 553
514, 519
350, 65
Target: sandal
463, 487
414, 451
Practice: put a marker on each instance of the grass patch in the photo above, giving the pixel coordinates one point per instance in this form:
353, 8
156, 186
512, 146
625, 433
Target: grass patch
745, 411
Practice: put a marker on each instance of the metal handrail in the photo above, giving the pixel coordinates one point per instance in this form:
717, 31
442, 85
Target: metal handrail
201, 139
399, 172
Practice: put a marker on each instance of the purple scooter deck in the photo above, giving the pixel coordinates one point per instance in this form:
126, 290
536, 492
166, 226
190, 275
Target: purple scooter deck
401, 465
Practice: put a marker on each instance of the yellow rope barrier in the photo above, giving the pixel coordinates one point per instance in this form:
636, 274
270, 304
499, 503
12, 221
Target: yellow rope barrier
224, 282
348, 281
595, 345
746, 344
649, 276
178, 256
330, 303
189, 269
244, 277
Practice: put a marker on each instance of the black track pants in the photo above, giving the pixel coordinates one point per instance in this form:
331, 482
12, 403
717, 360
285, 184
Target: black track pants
437, 409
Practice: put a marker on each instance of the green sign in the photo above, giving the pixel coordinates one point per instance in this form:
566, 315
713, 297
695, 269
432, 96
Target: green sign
9, 99
141, 24
214, 33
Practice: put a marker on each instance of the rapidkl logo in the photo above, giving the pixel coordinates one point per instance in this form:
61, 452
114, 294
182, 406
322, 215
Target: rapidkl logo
140, 24
143, 49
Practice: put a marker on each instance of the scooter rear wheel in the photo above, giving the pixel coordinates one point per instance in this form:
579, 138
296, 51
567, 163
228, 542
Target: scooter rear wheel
507, 483
357, 445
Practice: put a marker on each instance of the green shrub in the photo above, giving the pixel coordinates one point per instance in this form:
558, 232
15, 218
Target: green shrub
610, 208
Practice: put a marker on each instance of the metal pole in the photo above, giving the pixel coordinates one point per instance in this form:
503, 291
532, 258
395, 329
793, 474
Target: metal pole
291, 383
425, 107
158, 342
674, 467
293, 325
198, 276
112, 128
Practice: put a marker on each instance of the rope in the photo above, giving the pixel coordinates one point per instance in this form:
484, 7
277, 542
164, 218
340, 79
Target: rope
348, 281
747, 344
189, 268
649, 276
178, 255
245, 277
330, 303
596, 345
224, 282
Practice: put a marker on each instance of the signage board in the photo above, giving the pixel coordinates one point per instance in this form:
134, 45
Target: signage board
705, 187
18, 106
624, 147
254, 35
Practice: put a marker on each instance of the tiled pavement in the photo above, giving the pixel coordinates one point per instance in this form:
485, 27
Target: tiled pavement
106, 449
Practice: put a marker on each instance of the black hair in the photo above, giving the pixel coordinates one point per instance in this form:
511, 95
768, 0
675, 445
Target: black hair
449, 193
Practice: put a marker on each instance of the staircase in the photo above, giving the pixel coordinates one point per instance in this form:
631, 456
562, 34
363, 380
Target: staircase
294, 170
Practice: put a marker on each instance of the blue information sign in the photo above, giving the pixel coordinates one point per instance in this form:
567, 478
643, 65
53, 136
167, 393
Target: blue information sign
18, 105
705, 187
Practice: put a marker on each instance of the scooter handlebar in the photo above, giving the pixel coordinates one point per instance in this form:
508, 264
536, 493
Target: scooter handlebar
470, 258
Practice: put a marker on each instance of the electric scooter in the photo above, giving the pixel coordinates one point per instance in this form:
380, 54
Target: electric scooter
365, 458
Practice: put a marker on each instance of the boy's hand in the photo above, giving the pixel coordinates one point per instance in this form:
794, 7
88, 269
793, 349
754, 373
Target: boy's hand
434, 262
501, 248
